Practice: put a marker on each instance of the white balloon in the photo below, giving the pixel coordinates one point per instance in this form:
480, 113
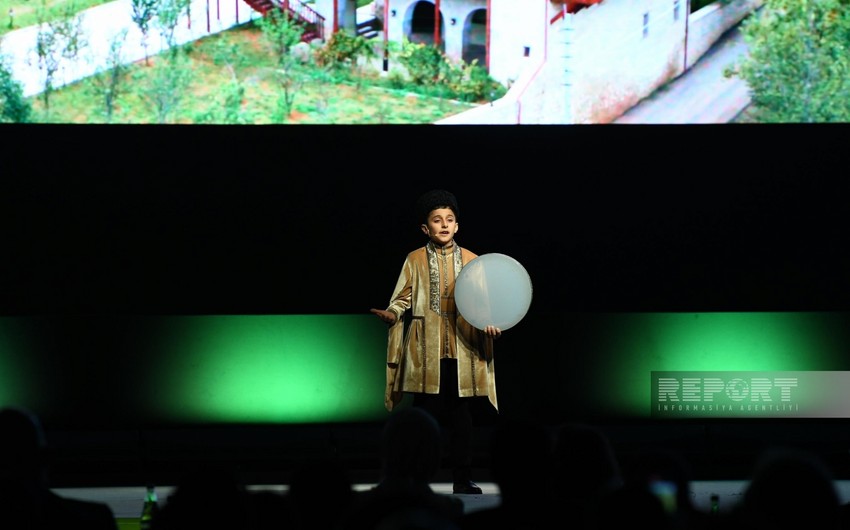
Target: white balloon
493, 290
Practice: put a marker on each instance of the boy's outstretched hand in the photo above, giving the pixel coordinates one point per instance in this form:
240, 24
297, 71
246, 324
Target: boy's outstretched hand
384, 315
493, 331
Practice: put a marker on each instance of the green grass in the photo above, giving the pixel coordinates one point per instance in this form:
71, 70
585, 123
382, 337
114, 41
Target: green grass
341, 98
324, 98
27, 12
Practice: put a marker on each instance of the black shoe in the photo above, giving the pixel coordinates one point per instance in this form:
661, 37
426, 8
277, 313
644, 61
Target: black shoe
466, 488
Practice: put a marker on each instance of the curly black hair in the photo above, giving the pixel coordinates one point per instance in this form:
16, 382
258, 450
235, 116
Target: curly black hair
431, 200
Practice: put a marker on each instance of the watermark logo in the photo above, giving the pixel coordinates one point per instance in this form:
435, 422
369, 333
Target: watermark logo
731, 394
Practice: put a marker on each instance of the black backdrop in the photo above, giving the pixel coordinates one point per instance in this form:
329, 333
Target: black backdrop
190, 219
156, 220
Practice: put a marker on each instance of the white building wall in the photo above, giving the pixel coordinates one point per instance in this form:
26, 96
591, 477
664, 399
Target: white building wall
515, 26
607, 65
396, 24
459, 11
540, 92
619, 59
547, 97
325, 8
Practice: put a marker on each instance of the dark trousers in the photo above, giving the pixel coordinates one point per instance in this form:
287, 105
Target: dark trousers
455, 418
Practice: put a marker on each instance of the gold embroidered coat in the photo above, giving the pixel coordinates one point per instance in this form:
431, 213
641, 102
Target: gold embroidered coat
435, 329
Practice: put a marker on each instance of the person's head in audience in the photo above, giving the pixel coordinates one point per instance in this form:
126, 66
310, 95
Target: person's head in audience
26, 498
410, 446
790, 488
632, 506
521, 460
585, 463
403, 498
319, 491
23, 448
207, 496
667, 474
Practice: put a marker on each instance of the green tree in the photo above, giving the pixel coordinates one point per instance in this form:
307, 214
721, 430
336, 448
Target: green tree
281, 33
108, 84
168, 16
165, 85
471, 82
347, 53
345, 50
228, 105
14, 108
57, 39
798, 68
290, 81
426, 65
143, 13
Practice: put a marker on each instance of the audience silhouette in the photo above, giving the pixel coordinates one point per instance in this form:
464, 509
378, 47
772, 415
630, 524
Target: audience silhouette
790, 488
520, 465
586, 469
567, 475
667, 475
206, 497
26, 500
410, 458
319, 492
631, 506
413, 518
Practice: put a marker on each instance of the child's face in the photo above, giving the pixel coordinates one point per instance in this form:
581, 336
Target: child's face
441, 226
